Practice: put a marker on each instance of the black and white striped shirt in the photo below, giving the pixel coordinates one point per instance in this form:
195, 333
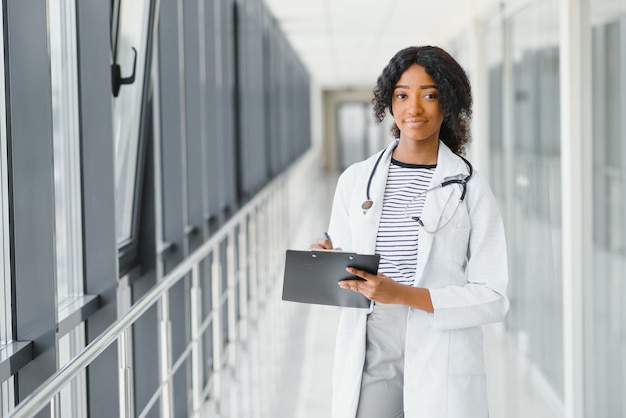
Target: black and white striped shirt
396, 242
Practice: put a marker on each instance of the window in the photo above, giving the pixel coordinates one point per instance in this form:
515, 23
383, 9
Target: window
131, 31
526, 165
67, 189
605, 382
67, 192
5, 282
6, 333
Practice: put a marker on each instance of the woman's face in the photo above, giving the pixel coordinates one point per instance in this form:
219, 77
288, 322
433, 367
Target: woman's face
415, 106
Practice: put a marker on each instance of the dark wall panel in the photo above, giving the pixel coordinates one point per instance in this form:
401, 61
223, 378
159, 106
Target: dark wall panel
98, 190
194, 135
31, 177
170, 122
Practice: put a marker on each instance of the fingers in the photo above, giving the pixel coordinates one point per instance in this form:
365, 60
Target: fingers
359, 273
321, 244
354, 285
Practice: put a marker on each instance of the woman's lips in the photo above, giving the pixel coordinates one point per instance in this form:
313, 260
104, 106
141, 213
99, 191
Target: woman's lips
415, 123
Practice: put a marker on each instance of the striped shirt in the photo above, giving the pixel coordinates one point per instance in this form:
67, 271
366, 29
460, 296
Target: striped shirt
396, 242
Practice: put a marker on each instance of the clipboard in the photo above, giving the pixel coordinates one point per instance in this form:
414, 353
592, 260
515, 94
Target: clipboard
312, 277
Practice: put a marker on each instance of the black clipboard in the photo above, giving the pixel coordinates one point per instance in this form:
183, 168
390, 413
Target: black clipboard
313, 276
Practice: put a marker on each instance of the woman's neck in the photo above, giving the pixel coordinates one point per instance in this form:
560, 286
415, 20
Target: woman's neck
413, 152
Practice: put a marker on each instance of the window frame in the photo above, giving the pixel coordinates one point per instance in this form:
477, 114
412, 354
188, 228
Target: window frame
128, 249
6, 326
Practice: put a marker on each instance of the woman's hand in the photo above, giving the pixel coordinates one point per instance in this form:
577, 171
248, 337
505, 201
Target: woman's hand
376, 287
382, 289
323, 244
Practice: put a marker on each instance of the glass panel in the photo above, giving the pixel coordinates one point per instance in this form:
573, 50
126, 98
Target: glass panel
7, 395
5, 282
494, 56
605, 381
534, 218
67, 187
133, 32
66, 139
73, 396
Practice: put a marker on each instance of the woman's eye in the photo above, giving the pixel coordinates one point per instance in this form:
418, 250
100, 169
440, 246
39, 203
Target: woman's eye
430, 96
400, 96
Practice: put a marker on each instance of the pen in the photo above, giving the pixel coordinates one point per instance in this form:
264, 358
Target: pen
328, 239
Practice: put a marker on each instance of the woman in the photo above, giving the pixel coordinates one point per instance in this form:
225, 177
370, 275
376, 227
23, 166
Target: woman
417, 352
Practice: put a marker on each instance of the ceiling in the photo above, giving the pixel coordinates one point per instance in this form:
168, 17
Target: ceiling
346, 43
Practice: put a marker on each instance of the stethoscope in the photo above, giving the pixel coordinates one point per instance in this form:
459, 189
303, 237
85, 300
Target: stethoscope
459, 179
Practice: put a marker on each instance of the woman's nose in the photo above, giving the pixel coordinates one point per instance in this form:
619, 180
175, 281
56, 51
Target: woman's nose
415, 107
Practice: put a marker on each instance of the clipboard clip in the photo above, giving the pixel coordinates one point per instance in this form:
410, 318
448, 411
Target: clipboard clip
314, 255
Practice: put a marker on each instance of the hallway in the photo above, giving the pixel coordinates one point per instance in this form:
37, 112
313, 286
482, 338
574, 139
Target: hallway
157, 159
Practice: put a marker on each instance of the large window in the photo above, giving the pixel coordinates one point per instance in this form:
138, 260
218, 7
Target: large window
130, 45
605, 383
6, 387
526, 166
5, 283
67, 189
68, 225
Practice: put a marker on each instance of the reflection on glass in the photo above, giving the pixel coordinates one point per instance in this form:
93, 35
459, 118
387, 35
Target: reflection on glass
5, 283
605, 383
67, 186
524, 137
7, 388
73, 396
67, 194
133, 24
536, 208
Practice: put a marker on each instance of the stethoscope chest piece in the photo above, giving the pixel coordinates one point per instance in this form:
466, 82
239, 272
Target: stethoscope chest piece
368, 203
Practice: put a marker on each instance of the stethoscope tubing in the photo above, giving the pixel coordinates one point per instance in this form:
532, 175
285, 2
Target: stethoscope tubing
369, 181
368, 203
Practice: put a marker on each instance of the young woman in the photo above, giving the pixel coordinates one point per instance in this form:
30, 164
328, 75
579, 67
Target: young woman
418, 351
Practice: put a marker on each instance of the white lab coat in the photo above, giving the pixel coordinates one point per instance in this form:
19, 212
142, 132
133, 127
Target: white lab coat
464, 266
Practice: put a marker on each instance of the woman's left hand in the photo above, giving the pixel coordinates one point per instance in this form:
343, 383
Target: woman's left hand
376, 287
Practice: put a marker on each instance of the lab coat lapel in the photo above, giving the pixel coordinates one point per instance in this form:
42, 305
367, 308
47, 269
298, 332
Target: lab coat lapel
448, 164
371, 219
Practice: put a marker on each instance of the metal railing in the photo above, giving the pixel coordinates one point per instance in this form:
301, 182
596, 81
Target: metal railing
241, 279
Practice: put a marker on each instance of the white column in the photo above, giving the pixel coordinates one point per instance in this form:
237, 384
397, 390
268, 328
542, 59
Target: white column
576, 172
479, 149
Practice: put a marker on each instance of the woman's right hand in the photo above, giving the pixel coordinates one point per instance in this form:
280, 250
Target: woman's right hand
322, 244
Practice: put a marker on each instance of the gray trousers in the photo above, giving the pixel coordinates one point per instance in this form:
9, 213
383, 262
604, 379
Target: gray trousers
383, 371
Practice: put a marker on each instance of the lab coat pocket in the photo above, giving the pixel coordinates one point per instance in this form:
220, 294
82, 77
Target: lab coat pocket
451, 244
467, 397
466, 352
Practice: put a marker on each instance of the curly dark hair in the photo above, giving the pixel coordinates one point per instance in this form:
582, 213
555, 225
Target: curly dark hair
455, 95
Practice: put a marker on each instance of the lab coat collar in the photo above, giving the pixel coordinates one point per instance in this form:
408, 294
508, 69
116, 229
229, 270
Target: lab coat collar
448, 165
